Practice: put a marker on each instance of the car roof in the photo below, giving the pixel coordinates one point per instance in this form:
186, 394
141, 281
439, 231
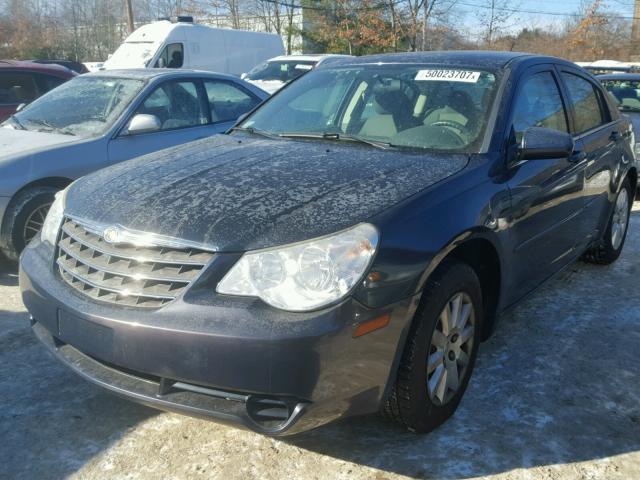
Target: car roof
152, 73
481, 58
309, 58
53, 69
619, 76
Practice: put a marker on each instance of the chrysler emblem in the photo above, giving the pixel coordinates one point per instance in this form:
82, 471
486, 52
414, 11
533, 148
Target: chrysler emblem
111, 234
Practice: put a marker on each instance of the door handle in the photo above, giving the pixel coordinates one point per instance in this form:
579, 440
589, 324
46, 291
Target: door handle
577, 157
615, 136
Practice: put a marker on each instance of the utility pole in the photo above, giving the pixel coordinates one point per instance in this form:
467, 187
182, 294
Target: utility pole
635, 32
129, 10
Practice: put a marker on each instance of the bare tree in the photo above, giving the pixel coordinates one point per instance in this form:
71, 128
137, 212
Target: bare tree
495, 16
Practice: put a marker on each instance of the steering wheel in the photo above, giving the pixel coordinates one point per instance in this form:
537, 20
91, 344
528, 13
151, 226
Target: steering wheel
452, 127
448, 123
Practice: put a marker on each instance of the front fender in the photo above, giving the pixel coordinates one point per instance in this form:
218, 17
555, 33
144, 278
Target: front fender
418, 234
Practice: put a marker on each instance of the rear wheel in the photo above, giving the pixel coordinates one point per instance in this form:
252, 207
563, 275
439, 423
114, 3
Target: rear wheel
610, 247
440, 352
24, 219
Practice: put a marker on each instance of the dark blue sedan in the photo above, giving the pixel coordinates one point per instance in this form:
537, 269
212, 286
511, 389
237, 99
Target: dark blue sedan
344, 249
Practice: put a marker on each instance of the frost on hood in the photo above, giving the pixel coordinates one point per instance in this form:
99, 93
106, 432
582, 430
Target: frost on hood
236, 192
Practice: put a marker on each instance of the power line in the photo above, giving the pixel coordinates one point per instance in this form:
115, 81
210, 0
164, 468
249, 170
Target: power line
383, 5
543, 12
379, 6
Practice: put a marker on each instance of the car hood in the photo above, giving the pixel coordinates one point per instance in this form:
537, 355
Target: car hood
21, 142
240, 192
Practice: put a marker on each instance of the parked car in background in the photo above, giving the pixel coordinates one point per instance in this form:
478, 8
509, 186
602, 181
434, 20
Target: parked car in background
604, 66
624, 89
97, 120
276, 72
77, 67
93, 66
179, 43
22, 82
344, 249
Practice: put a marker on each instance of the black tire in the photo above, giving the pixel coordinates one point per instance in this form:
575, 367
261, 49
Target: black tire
604, 253
409, 402
21, 207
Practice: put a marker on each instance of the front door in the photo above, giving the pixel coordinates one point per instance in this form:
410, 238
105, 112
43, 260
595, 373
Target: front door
546, 194
181, 109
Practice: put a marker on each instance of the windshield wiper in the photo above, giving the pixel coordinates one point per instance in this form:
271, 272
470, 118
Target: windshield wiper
338, 136
52, 128
15, 120
253, 131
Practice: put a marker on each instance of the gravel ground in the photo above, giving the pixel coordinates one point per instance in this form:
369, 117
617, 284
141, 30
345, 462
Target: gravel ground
555, 394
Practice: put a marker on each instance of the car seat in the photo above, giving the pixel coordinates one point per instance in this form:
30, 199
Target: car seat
393, 113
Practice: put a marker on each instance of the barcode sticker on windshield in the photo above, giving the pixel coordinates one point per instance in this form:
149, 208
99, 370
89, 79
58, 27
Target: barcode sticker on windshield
465, 76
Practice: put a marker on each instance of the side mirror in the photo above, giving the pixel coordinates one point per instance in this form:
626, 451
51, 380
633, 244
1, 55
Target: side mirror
161, 63
543, 143
143, 123
243, 76
21, 106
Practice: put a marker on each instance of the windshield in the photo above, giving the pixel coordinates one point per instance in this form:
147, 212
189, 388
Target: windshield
283, 71
626, 93
85, 106
132, 55
417, 106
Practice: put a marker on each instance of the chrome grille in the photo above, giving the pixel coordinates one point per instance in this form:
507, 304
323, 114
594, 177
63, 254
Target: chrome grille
123, 273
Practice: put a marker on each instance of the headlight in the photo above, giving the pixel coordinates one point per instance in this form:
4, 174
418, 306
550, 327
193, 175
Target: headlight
52, 223
306, 275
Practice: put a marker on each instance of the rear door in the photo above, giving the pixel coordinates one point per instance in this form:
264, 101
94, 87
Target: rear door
547, 194
600, 137
181, 107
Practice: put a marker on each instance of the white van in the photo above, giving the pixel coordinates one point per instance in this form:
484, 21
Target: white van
179, 43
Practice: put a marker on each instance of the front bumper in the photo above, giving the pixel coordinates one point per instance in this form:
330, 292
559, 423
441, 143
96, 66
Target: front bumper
234, 360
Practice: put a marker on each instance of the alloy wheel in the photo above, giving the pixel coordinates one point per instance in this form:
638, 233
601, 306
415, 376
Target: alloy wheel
450, 348
34, 222
620, 219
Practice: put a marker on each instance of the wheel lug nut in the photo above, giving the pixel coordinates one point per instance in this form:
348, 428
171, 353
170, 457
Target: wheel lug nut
452, 356
454, 338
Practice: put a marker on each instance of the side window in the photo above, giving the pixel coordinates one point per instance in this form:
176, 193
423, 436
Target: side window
227, 102
47, 82
17, 88
584, 100
539, 104
171, 57
176, 104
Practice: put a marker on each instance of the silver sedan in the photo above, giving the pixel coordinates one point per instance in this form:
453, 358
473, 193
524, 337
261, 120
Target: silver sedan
99, 119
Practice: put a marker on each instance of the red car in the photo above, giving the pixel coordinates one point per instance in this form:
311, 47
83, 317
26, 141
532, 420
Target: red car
23, 82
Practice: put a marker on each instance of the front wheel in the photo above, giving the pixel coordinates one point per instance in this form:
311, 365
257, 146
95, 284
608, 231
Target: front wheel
24, 219
610, 247
440, 351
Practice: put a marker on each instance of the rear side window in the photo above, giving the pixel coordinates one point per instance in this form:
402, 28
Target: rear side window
227, 102
539, 104
585, 102
17, 88
48, 82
